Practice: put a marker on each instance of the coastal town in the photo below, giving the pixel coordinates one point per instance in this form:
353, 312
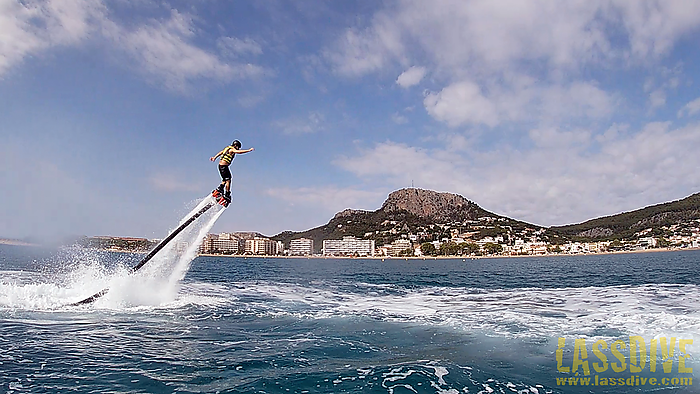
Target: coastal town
423, 223
455, 243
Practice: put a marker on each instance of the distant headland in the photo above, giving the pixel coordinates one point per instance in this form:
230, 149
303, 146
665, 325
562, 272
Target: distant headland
16, 242
416, 222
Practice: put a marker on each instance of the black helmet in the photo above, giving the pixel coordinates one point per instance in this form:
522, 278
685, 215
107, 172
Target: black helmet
236, 144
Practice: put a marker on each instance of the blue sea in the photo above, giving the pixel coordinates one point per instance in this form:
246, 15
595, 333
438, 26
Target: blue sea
297, 325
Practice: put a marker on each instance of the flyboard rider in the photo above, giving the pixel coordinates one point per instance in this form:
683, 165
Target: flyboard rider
227, 154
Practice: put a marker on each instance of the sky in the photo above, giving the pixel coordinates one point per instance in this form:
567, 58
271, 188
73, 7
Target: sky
551, 112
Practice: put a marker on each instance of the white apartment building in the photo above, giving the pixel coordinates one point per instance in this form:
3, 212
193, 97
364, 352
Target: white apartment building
647, 242
348, 246
417, 251
575, 247
538, 248
382, 250
594, 247
301, 247
519, 246
263, 246
222, 243
400, 245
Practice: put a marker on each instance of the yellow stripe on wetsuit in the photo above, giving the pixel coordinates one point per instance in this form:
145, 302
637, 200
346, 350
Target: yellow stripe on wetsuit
227, 157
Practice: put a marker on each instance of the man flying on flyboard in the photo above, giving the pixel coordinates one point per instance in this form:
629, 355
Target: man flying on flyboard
222, 196
227, 154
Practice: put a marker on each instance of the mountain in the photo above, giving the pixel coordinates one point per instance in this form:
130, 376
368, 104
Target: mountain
430, 215
425, 213
625, 225
437, 207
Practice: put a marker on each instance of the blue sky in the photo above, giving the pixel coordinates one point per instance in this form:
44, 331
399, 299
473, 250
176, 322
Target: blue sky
549, 112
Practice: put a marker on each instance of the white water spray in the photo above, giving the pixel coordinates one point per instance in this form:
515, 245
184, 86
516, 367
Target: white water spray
155, 284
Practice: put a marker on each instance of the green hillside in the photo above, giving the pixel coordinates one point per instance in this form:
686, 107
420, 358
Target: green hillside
626, 224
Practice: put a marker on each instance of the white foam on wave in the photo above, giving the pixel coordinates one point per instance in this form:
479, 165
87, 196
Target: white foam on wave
20, 290
651, 311
158, 281
430, 375
155, 284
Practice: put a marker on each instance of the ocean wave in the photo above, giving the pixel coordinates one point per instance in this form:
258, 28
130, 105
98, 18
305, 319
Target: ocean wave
591, 312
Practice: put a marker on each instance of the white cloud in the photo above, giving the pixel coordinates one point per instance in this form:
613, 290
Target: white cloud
234, 47
576, 100
491, 35
398, 118
550, 137
163, 49
331, 199
691, 108
30, 27
484, 35
313, 123
461, 103
657, 99
465, 103
667, 80
411, 77
499, 62
653, 26
399, 163
568, 176
358, 52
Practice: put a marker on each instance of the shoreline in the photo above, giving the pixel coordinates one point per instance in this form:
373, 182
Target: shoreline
12, 242
655, 250
15, 242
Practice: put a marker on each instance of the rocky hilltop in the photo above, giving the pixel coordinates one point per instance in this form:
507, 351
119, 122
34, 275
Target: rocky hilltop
349, 212
428, 204
425, 214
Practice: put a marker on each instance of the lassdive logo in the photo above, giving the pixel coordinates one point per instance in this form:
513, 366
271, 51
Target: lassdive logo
633, 363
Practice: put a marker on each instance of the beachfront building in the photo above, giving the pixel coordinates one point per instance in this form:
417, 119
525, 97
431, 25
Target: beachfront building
348, 246
519, 247
301, 247
417, 251
384, 250
400, 246
574, 247
680, 240
222, 244
263, 246
594, 247
537, 248
646, 243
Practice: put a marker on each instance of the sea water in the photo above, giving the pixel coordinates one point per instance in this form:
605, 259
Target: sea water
298, 325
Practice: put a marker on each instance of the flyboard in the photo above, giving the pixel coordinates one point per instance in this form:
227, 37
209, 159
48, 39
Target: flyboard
218, 198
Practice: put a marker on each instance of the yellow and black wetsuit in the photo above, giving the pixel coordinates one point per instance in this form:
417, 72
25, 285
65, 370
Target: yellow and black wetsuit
226, 158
